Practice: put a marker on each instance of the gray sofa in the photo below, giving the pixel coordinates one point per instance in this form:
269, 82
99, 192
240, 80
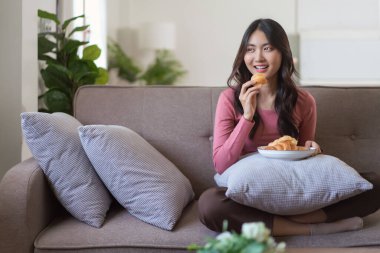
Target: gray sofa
178, 121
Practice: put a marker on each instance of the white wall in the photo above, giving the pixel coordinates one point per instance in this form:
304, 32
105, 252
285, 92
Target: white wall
10, 83
95, 15
18, 74
334, 35
208, 31
340, 44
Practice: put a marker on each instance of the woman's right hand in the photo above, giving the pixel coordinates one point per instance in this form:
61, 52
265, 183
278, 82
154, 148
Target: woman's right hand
248, 99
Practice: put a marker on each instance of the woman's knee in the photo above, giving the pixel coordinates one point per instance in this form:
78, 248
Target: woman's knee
210, 207
209, 201
373, 195
360, 205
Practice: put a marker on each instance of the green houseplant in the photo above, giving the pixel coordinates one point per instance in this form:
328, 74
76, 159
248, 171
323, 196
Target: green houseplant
164, 70
64, 71
119, 60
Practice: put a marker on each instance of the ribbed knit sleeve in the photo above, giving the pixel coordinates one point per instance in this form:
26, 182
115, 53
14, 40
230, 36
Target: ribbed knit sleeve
229, 134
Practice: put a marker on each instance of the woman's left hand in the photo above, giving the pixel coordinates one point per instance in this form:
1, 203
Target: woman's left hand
313, 144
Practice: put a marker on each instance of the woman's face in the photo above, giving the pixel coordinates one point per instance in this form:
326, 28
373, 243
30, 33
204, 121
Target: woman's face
262, 57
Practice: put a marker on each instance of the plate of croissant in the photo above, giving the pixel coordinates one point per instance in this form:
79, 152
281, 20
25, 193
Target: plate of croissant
285, 148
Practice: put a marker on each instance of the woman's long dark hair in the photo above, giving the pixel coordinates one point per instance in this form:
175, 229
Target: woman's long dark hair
286, 96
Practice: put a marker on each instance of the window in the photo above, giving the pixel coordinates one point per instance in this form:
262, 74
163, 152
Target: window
95, 16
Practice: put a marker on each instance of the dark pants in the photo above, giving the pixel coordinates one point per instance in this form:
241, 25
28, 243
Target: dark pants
214, 207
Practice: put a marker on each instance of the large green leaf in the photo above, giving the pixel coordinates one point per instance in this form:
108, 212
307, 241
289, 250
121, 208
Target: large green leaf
93, 73
50, 80
91, 53
56, 35
72, 46
102, 76
83, 72
72, 58
91, 65
48, 15
78, 29
78, 69
60, 69
45, 46
57, 101
68, 21
89, 78
57, 76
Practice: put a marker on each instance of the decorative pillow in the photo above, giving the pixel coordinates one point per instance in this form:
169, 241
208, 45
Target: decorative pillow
291, 187
140, 178
54, 142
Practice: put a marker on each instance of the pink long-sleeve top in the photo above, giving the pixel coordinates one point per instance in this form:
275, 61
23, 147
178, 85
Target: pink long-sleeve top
231, 129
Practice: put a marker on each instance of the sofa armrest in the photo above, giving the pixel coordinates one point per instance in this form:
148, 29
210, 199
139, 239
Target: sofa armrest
27, 205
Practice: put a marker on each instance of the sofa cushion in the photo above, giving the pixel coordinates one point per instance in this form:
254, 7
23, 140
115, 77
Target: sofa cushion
140, 178
54, 142
122, 232
291, 187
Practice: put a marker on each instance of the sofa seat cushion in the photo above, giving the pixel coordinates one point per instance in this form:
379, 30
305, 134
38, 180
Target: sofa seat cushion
122, 232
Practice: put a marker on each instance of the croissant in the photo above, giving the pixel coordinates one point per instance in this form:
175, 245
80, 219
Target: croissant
286, 142
259, 78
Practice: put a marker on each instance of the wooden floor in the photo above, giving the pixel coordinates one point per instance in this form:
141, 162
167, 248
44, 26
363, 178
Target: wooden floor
333, 250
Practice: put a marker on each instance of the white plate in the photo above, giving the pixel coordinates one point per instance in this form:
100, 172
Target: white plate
286, 154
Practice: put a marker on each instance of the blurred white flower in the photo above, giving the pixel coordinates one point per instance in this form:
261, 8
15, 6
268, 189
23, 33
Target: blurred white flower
223, 236
271, 242
255, 230
280, 247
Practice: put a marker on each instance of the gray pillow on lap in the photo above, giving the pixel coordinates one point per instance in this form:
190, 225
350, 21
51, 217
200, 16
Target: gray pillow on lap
54, 142
140, 178
291, 187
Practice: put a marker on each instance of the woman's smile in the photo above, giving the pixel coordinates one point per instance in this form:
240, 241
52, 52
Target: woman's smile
261, 68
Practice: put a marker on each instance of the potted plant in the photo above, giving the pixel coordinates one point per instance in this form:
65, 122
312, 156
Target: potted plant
164, 70
64, 71
118, 59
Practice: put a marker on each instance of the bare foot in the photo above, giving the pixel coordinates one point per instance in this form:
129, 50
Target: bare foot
350, 224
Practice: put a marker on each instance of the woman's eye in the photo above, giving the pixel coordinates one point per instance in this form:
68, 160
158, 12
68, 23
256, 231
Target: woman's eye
268, 49
250, 50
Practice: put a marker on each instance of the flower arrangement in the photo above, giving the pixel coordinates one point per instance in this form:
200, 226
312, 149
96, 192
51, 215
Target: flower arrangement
254, 238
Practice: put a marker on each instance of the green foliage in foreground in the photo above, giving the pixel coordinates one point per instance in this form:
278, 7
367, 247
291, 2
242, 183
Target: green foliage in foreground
255, 238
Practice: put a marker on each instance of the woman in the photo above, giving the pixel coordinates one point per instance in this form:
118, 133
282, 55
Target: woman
248, 116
